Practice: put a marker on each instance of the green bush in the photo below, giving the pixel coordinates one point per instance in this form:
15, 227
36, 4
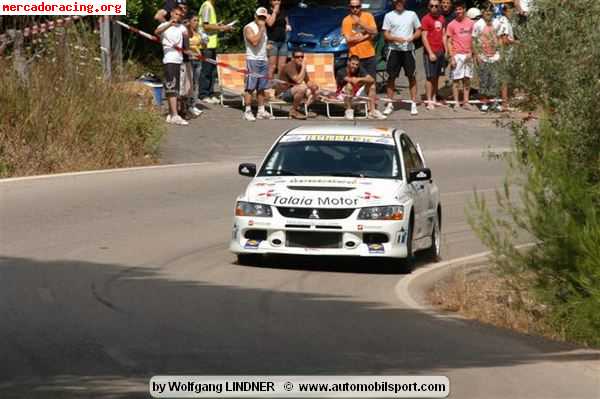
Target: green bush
554, 170
68, 118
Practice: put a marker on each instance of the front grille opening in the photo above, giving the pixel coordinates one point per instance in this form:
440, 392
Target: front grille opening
255, 234
375, 238
319, 188
310, 239
328, 227
315, 213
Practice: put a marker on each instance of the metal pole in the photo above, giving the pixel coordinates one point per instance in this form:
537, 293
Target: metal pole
105, 47
117, 47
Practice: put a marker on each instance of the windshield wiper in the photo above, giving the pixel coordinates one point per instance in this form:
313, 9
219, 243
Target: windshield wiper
342, 174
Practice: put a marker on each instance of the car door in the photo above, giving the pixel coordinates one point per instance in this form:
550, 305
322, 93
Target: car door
424, 188
418, 189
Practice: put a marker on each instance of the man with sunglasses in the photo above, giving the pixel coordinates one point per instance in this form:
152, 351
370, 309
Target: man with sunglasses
401, 27
434, 31
359, 29
298, 87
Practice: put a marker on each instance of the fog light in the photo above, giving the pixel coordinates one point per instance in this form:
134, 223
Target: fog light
276, 242
350, 244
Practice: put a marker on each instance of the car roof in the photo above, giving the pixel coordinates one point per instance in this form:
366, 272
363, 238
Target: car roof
342, 130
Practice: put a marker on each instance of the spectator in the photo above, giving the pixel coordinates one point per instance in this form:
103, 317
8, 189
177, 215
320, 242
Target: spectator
210, 27
195, 65
507, 39
460, 48
257, 64
486, 55
299, 88
277, 28
163, 14
434, 55
448, 11
523, 7
401, 28
359, 29
474, 14
354, 79
171, 35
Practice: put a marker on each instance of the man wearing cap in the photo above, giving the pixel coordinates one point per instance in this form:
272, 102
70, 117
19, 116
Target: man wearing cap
210, 27
257, 64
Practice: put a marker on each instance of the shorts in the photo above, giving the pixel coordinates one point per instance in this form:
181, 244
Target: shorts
257, 67
434, 69
287, 95
278, 49
463, 69
488, 79
369, 65
397, 59
172, 79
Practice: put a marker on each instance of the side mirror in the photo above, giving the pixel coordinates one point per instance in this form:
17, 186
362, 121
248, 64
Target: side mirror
423, 174
247, 169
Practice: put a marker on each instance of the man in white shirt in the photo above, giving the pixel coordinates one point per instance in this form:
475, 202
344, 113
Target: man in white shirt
171, 35
257, 64
401, 28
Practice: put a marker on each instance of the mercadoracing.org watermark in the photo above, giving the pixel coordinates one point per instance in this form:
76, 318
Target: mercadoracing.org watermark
63, 7
299, 386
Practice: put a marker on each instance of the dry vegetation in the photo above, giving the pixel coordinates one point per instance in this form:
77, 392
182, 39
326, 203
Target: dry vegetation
67, 118
484, 296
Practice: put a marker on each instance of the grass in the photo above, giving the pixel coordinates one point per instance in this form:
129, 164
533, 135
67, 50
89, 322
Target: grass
68, 118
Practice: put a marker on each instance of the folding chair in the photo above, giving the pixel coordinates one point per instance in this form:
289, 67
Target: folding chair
320, 68
233, 82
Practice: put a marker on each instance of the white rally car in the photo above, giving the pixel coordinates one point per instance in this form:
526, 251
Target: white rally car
343, 190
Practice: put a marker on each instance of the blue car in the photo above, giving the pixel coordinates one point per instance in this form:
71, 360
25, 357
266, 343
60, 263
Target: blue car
316, 24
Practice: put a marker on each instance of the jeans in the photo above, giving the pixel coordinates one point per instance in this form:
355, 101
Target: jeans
196, 71
208, 74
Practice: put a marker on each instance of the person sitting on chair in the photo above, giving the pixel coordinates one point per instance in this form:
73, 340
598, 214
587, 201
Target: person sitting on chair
298, 87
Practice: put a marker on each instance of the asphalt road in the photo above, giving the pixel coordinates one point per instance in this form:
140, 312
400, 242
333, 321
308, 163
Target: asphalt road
107, 279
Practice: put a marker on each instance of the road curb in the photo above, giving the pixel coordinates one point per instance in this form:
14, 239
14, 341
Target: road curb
412, 289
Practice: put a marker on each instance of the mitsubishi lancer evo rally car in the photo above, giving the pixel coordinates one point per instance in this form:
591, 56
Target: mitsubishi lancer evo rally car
343, 191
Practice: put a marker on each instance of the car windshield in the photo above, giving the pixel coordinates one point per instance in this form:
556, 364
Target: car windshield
326, 158
367, 4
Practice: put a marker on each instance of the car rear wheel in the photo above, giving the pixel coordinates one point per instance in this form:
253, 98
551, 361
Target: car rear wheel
249, 259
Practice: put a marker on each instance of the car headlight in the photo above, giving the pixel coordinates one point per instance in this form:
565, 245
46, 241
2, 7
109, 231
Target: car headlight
243, 208
392, 212
338, 41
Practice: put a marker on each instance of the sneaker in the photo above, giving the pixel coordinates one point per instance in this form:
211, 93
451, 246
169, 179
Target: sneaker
376, 114
249, 116
295, 114
168, 120
216, 100
485, 108
264, 115
413, 109
195, 111
349, 114
311, 114
210, 100
389, 108
178, 120
430, 106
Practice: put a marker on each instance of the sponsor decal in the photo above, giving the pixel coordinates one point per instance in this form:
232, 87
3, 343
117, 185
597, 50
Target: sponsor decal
376, 248
402, 236
360, 227
234, 233
250, 222
309, 180
319, 201
368, 196
339, 137
268, 194
252, 244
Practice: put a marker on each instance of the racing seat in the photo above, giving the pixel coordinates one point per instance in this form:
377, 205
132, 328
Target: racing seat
320, 68
233, 82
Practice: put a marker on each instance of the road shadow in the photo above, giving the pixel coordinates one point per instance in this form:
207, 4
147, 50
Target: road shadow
74, 329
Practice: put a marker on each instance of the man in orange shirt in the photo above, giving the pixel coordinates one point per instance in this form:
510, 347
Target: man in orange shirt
359, 29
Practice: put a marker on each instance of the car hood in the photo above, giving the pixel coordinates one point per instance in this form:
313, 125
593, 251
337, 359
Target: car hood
323, 191
312, 24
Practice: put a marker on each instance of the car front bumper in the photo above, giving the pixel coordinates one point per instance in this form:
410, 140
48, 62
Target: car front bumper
319, 237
